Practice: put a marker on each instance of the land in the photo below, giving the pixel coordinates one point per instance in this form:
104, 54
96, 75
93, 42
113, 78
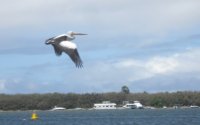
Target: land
87, 100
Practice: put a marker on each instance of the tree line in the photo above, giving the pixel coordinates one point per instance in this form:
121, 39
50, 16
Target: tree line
73, 100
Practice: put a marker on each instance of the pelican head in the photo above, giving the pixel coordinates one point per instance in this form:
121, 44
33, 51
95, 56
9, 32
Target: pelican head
49, 41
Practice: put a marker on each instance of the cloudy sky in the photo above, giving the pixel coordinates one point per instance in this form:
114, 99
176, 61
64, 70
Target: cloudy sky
151, 46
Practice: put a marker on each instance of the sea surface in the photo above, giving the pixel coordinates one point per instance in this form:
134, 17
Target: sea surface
105, 117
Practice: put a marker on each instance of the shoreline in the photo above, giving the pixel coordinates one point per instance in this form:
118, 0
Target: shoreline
90, 109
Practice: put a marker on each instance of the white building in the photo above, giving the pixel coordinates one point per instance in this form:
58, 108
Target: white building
105, 105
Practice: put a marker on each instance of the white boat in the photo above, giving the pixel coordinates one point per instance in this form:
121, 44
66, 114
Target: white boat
135, 105
105, 105
129, 106
57, 108
164, 107
194, 106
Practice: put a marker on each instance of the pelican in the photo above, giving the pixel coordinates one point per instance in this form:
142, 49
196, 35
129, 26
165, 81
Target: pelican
63, 43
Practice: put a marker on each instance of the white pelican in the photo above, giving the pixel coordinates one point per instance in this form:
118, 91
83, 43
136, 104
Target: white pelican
63, 43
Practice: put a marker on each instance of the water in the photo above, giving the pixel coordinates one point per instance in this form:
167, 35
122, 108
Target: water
105, 117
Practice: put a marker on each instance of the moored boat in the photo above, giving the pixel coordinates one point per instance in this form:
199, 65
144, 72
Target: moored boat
57, 108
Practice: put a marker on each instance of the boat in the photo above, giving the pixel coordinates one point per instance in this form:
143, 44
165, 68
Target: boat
194, 106
57, 108
129, 106
164, 107
34, 116
135, 105
105, 105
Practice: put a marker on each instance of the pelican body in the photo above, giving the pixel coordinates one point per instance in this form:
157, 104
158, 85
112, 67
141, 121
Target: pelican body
63, 43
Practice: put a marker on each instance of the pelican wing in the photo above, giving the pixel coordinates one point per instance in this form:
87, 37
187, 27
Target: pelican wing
58, 52
56, 40
76, 58
60, 38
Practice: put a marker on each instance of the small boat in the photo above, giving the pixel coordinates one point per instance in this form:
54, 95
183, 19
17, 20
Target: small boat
57, 108
194, 106
34, 116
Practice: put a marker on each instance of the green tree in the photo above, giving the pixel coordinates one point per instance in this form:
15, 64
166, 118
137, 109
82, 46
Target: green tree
125, 90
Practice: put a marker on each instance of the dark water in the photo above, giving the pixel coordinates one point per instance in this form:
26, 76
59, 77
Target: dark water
105, 117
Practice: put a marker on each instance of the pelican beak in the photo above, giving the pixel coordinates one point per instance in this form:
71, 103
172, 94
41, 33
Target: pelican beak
79, 33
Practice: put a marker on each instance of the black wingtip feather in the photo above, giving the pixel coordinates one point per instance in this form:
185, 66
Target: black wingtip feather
80, 65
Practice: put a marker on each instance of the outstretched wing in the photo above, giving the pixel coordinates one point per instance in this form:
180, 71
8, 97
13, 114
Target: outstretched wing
60, 38
56, 40
58, 52
74, 55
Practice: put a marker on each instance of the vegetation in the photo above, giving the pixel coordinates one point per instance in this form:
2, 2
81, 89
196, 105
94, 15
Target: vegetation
71, 100
125, 90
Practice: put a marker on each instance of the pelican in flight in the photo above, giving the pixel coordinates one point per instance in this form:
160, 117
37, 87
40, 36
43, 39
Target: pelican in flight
63, 43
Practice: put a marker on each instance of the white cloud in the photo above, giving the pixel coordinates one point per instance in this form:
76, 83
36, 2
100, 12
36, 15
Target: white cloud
162, 64
26, 23
126, 15
130, 70
156, 73
127, 63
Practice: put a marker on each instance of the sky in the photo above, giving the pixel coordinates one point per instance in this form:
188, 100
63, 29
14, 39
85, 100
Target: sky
147, 45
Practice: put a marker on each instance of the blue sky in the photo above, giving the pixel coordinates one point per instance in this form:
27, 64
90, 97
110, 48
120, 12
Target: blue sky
149, 46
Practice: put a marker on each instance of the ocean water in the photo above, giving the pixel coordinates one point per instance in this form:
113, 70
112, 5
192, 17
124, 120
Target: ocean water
105, 117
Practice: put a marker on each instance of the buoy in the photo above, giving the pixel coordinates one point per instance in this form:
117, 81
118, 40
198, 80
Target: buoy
34, 116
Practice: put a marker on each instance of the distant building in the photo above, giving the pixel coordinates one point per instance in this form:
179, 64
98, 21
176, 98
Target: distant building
105, 105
